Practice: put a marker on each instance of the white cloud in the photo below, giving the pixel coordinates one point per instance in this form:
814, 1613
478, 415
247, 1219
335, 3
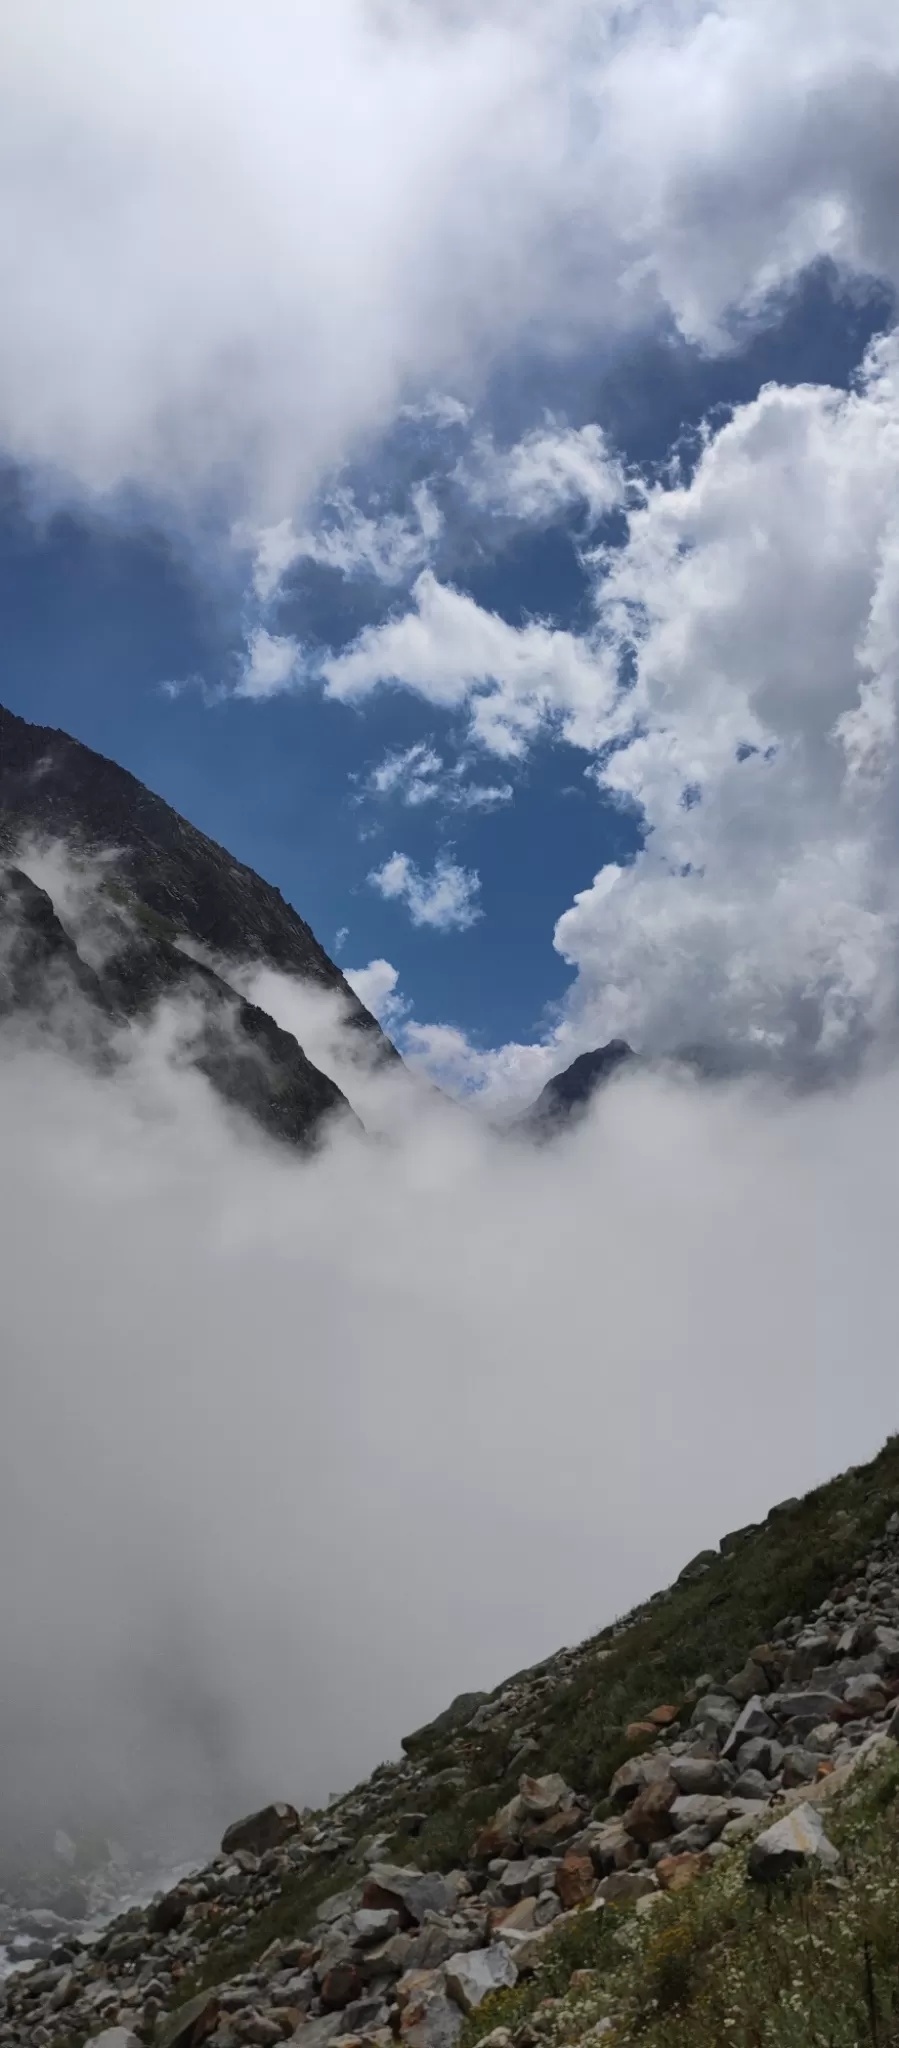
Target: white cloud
418, 775
390, 547
236, 241
451, 652
443, 900
271, 665
551, 468
377, 986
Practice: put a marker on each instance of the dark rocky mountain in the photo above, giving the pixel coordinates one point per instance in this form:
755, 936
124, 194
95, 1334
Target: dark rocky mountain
568, 1093
166, 884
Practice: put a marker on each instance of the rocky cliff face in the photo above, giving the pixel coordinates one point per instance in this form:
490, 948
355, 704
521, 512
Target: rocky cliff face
166, 886
706, 1740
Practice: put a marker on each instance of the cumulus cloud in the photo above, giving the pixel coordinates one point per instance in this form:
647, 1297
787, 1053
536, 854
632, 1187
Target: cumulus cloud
236, 241
445, 899
244, 1397
453, 652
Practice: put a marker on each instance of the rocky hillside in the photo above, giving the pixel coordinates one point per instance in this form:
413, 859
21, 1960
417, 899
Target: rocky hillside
165, 887
679, 1831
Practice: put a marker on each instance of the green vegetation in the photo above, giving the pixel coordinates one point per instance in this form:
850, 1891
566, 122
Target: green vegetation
813, 1963
152, 921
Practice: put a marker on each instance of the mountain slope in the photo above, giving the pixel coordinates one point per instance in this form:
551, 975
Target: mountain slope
52, 785
569, 1092
595, 1851
166, 889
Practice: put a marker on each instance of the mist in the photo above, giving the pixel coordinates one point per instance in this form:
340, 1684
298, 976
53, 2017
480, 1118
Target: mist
293, 1451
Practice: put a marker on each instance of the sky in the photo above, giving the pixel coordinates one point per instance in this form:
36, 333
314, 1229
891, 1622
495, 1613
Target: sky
451, 453
451, 456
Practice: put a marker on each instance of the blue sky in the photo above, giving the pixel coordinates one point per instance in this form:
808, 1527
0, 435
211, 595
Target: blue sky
217, 575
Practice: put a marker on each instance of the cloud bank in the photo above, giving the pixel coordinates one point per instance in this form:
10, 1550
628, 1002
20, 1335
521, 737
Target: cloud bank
292, 1452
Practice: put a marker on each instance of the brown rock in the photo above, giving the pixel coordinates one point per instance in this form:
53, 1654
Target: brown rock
636, 1729
545, 1837
662, 1717
341, 1984
676, 1872
649, 1819
575, 1881
266, 1829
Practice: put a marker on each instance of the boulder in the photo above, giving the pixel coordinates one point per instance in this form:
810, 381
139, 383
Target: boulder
432, 2022
411, 1893
752, 1721
760, 1753
749, 1682
115, 2037
542, 1796
319, 2032
808, 1707
698, 1566
266, 1829
751, 1785
674, 1873
700, 1774
472, 1976
699, 1810
609, 1846
575, 1880
648, 1820
339, 1985
373, 1924
622, 1887
631, 1777
800, 1767
714, 1715
518, 1919
189, 2024
793, 1843
864, 1696
167, 1912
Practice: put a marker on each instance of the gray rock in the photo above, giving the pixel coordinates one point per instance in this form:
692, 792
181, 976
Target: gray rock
800, 1767
471, 1977
631, 1777
795, 1842
373, 1924
190, 2024
762, 1754
749, 1682
115, 2037
318, 2033
418, 1892
700, 1774
864, 1695
714, 1714
892, 1727
810, 1707
753, 1721
438, 2024
752, 1785
698, 1810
